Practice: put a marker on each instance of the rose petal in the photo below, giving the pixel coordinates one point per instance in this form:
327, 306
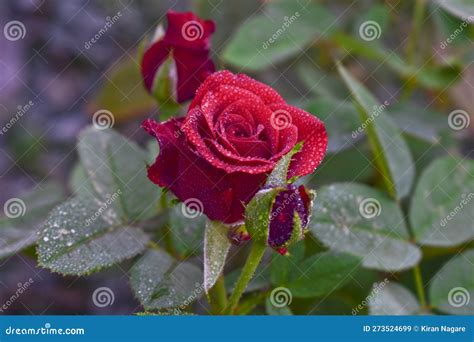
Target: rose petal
312, 132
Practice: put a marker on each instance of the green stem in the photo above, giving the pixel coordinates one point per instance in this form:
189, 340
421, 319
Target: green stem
418, 13
420, 289
253, 260
218, 297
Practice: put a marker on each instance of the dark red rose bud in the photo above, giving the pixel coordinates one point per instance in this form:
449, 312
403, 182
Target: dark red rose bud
186, 43
289, 217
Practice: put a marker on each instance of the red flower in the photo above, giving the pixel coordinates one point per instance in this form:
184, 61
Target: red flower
235, 132
187, 41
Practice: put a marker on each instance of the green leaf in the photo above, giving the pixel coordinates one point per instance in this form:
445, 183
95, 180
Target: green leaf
448, 24
81, 237
216, 247
159, 281
460, 8
452, 288
27, 214
391, 153
364, 222
419, 122
322, 273
341, 120
351, 165
113, 163
96, 228
281, 265
265, 40
442, 208
392, 299
186, 233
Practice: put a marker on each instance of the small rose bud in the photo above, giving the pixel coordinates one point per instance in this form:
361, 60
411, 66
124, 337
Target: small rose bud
288, 209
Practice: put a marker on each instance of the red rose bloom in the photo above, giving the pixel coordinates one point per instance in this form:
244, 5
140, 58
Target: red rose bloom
187, 41
235, 132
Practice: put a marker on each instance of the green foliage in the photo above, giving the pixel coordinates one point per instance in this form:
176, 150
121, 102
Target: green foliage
442, 207
452, 288
24, 217
362, 221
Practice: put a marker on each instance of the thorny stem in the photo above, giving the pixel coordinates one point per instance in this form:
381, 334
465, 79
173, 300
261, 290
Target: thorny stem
253, 260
